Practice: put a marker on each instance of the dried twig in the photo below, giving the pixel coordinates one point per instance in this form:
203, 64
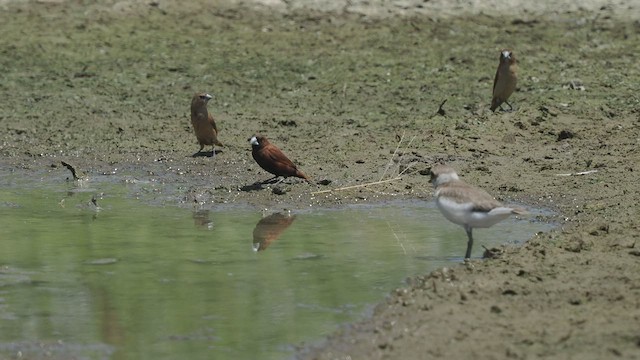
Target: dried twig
72, 169
356, 186
392, 156
579, 173
383, 174
441, 111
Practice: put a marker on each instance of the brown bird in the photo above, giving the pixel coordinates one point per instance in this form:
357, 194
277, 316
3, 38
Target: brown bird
272, 159
203, 123
467, 205
505, 81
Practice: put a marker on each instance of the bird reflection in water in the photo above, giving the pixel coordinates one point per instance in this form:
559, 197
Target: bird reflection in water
269, 229
202, 220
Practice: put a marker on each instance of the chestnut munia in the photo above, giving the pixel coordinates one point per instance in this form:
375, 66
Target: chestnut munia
272, 159
504, 84
203, 123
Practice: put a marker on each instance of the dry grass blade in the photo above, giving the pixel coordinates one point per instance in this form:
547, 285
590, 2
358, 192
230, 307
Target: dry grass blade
356, 186
386, 170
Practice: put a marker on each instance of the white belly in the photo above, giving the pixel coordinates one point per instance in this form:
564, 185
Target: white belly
462, 214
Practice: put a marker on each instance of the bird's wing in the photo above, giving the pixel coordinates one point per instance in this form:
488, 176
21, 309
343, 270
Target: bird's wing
213, 123
495, 80
279, 157
460, 193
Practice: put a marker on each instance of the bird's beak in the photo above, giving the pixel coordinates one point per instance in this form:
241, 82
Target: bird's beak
254, 141
208, 97
506, 54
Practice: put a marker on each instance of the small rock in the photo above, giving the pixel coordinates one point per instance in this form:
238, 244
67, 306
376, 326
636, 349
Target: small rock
288, 123
577, 244
492, 253
520, 125
566, 134
575, 85
575, 301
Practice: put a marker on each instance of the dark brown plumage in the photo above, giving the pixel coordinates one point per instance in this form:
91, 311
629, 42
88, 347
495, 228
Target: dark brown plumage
504, 84
272, 159
203, 123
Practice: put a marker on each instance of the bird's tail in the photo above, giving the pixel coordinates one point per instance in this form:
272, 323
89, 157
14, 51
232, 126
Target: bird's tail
302, 175
495, 102
519, 211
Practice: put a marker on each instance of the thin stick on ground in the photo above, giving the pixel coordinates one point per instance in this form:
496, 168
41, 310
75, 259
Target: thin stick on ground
72, 169
394, 155
356, 186
579, 173
399, 177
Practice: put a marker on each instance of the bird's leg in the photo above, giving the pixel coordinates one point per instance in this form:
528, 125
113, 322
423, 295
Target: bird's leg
468, 229
213, 151
198, 152
269, 180
510, 107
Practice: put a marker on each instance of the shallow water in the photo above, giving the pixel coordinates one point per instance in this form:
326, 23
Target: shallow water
129, 280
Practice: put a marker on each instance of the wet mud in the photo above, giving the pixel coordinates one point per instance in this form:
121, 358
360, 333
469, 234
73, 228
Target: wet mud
355, 101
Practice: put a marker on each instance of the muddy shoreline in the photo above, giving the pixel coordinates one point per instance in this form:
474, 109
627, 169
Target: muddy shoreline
353, 99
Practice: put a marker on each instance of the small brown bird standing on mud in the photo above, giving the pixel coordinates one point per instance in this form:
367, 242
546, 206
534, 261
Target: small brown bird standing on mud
272, 159
505, 81
203, 123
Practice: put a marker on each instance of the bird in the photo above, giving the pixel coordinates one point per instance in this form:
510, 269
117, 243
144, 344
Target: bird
203, 123
505, 81
272, 159
467, 205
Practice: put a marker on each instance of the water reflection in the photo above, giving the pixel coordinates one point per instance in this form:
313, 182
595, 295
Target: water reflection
202, 219
142, 282
269, 229
111, 329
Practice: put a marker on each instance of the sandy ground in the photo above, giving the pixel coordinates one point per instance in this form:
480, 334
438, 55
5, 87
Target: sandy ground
350, 91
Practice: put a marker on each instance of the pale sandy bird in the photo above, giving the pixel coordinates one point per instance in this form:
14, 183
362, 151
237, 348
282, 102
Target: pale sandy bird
505, 81
203, 123
467, 205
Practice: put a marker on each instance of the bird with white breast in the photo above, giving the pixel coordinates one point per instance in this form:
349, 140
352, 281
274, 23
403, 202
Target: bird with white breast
467, 205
